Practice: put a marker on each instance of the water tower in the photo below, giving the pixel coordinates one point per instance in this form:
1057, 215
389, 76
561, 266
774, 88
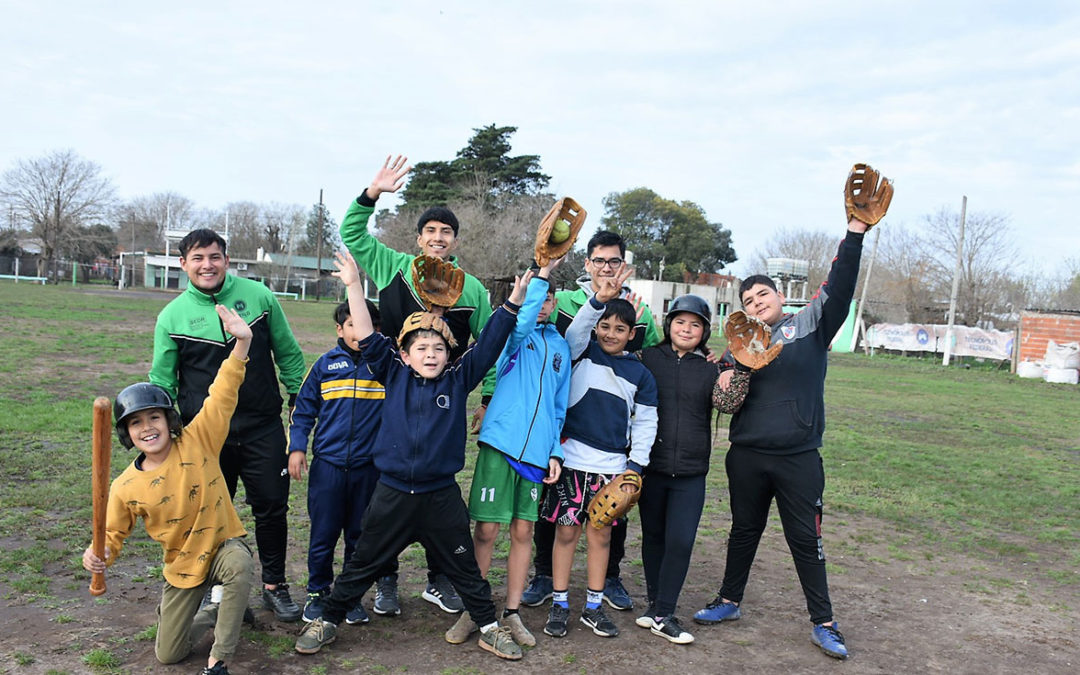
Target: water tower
790, 276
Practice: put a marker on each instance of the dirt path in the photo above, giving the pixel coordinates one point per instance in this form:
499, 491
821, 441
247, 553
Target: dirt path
908, 611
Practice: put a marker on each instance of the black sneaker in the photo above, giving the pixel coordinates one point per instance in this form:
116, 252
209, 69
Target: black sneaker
598, 621
218, 669
386, 596
357, 615
556, 623
441, 593
279, 600
670, 630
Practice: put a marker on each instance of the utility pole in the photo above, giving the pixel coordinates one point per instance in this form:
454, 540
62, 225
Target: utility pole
955, 285
862, 300
318, 249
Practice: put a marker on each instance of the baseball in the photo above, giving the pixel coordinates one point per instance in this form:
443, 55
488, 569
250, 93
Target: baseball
560, 232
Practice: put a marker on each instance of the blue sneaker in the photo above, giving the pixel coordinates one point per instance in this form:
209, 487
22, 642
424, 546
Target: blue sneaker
616, 595
357, 615
313, 608
830, 640
538, 591
716, 611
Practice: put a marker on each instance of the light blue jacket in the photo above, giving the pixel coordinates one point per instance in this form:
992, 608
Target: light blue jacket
532, 386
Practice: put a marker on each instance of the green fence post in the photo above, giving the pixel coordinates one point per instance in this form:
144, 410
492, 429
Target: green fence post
74, 271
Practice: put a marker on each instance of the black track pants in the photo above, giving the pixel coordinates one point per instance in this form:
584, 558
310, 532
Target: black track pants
439, 520
263, 465
797, 481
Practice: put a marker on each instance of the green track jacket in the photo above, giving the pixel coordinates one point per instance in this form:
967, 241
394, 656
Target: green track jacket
190, 343
391, 271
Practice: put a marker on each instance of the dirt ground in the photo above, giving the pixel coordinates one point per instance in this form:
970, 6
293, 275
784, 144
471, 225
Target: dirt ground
913, 612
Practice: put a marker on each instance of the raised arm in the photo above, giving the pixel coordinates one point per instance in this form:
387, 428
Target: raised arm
379, 261
350, 276
390, 177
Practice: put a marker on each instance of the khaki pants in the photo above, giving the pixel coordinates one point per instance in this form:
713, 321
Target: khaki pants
232, 567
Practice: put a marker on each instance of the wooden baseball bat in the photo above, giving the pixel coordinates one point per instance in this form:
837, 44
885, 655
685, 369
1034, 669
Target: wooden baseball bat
100, 476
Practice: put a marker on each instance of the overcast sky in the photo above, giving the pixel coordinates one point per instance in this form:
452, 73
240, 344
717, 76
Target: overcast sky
755, 113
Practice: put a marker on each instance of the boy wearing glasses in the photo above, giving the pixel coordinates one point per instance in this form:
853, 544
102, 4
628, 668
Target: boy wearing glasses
606, 253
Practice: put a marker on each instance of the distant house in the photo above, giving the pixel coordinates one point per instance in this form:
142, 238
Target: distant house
294, 275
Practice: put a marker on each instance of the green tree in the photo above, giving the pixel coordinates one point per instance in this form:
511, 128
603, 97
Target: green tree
484, 162
662, 232
320, 224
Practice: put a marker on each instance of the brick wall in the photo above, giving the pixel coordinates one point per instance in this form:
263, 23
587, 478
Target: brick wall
1037, 327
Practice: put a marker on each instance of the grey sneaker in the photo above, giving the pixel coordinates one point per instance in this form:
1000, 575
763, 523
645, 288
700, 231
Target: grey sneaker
441, 593
556, 623
501, 643
315, 636
461, 630
598, 621
386, 598
520, 633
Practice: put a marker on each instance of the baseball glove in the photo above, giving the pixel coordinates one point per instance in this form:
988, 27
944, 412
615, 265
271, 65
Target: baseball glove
439, 282
548, 249
426, 321
864, 198
611, 502
748, 340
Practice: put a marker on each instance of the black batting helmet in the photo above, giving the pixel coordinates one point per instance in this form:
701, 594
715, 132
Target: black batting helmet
695, 304
142, 396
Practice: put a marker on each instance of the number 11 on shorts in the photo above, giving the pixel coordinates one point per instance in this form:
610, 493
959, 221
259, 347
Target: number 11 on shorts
487, 494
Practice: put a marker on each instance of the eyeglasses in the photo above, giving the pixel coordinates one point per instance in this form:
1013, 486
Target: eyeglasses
610, 262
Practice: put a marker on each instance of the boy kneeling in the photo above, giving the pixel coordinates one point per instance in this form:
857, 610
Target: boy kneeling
176, 485
420, 446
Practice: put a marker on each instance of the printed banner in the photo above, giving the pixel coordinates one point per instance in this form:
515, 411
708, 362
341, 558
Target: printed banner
916, 337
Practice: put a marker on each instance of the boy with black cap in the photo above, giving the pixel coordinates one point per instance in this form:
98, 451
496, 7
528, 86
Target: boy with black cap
176, 486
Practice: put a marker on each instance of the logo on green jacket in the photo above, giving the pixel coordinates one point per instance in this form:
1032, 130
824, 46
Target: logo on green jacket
239, 306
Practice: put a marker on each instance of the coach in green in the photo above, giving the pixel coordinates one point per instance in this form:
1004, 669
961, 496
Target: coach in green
190, 344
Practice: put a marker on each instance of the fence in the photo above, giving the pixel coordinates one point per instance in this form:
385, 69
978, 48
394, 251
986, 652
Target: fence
911, 337
29, 268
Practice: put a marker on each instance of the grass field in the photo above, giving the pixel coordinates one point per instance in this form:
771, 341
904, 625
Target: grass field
975, 461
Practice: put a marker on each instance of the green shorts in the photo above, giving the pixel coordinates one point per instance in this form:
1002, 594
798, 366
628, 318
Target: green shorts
498, 493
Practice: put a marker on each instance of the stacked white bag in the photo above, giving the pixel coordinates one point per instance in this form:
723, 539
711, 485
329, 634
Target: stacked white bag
1062, 363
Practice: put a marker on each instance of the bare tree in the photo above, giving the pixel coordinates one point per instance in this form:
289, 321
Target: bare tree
56, 194
493, 243
987, 254
903, 288
245, 229
143, 220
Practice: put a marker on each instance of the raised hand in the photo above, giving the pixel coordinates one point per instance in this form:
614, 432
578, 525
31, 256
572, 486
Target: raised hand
517, 296
346, 268
390, 177
611, 287
639, 304
232, 322
546, 270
